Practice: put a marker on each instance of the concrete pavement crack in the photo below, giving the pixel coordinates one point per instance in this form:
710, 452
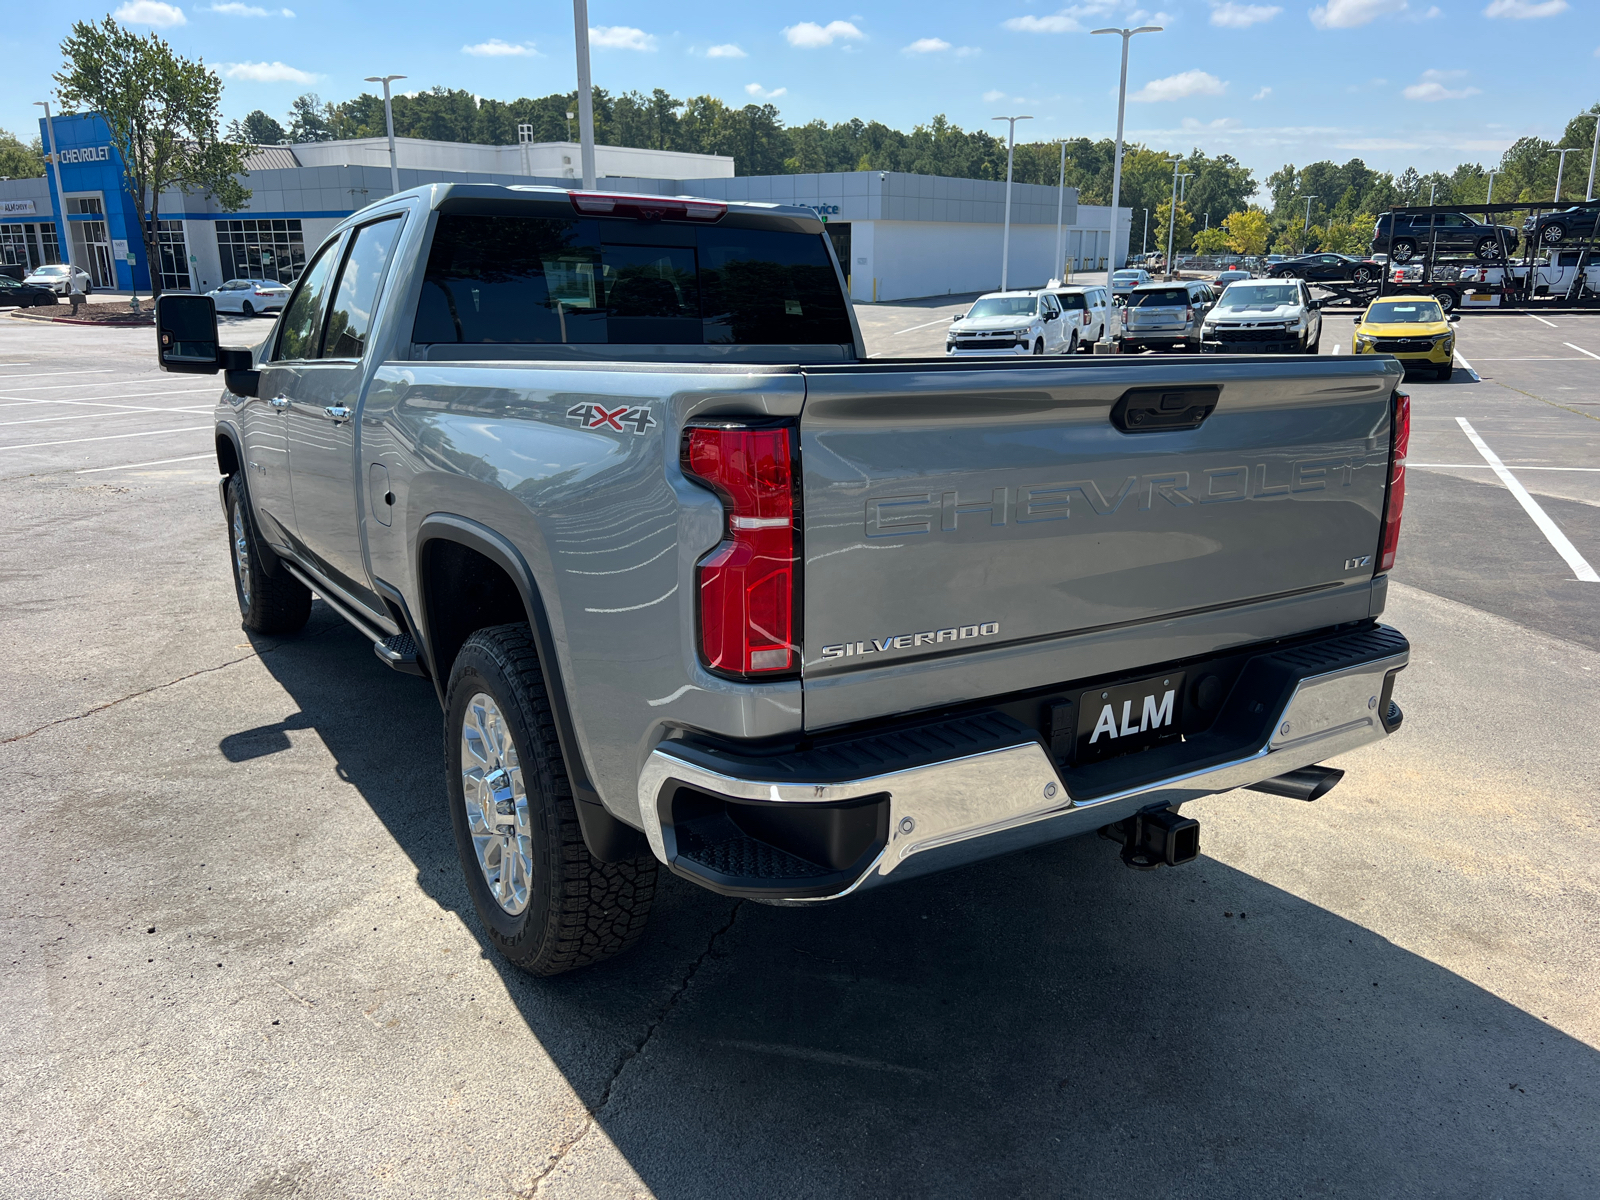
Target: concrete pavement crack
536, 1184
89, 712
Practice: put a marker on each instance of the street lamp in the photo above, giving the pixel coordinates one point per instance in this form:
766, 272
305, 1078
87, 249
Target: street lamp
1061, 204
1593, 154
1126, 35
388, 121
1144, 242
1005, 242
1489, 199
1559, 166
580, 22
1305, 226
61, 197
1172, 212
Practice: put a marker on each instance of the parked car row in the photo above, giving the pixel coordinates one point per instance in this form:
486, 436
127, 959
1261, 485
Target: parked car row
1059, 320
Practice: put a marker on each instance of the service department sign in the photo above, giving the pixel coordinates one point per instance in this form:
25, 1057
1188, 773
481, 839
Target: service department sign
18, 208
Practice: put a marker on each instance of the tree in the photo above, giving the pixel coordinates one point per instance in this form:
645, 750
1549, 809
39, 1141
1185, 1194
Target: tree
257, 129
1248, 231
1211, 241
1349, 237
161, 110
312, 121
19, 161
1181, 228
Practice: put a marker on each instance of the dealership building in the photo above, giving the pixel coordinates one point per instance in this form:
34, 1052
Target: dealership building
898, 236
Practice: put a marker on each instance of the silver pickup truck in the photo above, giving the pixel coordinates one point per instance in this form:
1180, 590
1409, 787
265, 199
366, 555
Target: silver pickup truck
700, 585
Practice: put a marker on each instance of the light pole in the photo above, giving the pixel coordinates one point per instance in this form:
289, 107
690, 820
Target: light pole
1559, 167
1305, 226
388, 122
1127, 35
1593, 154
1061, 205
580, 22
1172, 209
61, 197
1489, 199
1005, 241
1432, 188
1183, 185
1144, 242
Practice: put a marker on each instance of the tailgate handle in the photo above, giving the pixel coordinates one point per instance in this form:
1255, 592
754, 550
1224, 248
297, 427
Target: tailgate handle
1149, 410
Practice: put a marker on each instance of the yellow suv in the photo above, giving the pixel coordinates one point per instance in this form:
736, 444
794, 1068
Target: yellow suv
1414, 330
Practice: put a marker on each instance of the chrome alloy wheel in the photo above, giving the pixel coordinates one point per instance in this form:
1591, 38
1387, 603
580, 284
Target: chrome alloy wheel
497, 803
241, 554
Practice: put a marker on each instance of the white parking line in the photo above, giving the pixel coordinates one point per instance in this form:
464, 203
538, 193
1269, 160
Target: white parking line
109, 437
122, 411
1466, 366
1541, 320
924, 325
1580, 350
16, 364
1486, 467
154, 463
61, 387
1552, 532
47, 374
107, 401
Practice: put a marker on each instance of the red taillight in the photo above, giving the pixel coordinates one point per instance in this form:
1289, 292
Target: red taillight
1188, 314
747, 584
650, 208
1400, 443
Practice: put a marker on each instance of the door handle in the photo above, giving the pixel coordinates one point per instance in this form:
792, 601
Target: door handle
338, 412
279, 402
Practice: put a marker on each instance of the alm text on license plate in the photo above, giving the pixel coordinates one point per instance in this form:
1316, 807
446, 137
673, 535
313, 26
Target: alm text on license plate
1128, 717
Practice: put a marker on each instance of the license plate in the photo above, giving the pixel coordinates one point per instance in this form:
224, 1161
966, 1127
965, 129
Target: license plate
1129, 717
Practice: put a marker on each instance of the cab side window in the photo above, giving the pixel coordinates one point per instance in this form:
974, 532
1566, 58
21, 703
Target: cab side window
356, 296
302, 320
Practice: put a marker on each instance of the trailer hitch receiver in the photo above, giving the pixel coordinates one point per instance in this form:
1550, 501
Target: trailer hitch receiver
1156, 837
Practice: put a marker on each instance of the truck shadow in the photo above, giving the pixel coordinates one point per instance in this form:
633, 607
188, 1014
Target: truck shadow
1049, 1023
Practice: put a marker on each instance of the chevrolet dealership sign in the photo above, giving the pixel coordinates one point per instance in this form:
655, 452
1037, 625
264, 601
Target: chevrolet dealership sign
83, 154
18, 208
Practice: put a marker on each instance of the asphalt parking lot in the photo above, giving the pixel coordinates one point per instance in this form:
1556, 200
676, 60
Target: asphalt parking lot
240, 961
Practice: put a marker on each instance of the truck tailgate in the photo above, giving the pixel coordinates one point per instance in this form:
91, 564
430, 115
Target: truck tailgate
976, 531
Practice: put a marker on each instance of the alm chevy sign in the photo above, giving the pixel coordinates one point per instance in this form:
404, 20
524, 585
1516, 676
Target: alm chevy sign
83, 154
16, 208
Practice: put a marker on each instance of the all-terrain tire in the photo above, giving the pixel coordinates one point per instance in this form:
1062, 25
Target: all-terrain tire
578, 910
270, 604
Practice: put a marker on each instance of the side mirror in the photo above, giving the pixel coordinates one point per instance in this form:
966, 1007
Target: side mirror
186, 343
186, 334
1454, 318
1357, 318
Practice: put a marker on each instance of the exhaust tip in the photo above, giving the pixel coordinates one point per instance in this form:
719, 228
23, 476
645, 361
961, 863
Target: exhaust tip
1308, 783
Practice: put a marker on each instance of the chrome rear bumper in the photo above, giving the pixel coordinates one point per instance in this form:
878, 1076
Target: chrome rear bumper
1010, 794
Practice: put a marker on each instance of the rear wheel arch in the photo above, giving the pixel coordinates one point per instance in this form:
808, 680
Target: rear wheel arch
470, 577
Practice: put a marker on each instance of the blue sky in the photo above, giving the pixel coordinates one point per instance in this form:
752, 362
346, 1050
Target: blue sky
1396, 82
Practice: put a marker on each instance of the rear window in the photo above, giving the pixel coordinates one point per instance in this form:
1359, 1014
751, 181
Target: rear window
1072, 300
1161, 298
525, 280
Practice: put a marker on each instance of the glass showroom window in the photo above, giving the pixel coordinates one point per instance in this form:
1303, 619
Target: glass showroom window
261, 249
174, 251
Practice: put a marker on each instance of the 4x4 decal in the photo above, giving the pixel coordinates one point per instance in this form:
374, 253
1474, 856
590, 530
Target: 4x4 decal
597, 416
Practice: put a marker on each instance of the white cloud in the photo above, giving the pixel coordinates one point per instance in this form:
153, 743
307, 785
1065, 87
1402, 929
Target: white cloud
1351, 14
1191, 125
1086, 14
1522, 10
808, 35
756, 90
991, 96
1432, 87
267, 72
495, 48
1241, 16
621, 37
1262, 94
726, 50
1179, 86
927, 46
250, 10
150, 12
